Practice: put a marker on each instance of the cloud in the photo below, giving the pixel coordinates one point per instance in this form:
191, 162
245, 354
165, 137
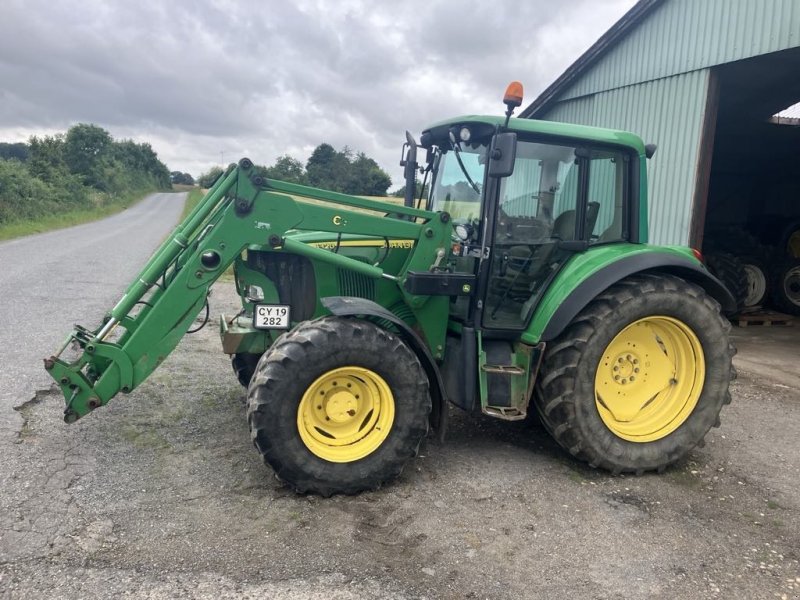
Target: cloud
197, 79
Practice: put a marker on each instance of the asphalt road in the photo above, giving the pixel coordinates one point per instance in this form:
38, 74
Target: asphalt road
52, 280
160, 494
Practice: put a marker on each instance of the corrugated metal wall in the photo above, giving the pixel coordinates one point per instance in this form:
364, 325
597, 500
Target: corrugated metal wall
655, 81
688, 35
668, 112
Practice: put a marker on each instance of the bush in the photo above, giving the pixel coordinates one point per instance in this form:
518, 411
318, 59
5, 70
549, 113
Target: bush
24, 197
81, 169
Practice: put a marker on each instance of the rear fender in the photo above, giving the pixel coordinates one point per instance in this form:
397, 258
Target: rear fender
351, 306
665, 261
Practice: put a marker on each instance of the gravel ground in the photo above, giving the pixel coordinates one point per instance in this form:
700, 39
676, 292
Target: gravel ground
161, 495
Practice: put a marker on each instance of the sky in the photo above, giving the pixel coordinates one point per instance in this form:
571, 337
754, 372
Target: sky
209, 81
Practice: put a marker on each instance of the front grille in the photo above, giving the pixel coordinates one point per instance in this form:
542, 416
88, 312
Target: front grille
293, 277
355, 284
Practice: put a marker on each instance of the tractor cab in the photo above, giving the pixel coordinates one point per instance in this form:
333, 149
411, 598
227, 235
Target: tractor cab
515, 227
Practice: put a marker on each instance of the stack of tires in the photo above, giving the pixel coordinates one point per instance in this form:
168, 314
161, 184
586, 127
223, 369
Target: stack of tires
757, 274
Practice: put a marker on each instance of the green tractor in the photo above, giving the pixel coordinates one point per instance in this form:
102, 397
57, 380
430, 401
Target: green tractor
522, 283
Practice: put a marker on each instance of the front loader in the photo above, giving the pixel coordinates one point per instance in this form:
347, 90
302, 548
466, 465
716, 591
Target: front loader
522, 284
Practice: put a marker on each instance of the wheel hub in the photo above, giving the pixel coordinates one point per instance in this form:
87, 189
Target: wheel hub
341, 406
626, 368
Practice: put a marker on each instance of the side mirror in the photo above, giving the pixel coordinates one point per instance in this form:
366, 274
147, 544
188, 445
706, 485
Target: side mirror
502, 154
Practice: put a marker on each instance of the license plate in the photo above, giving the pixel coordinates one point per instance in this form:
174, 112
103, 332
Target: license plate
271, 316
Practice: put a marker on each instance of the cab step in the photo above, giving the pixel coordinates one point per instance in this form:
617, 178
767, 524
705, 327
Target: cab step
503, 369
507, 413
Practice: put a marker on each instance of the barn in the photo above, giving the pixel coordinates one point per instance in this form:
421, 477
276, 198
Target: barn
715, 84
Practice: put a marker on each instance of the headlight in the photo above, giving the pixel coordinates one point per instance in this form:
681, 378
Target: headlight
462, 231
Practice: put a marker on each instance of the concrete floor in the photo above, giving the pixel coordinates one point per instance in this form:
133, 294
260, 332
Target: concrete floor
772, 352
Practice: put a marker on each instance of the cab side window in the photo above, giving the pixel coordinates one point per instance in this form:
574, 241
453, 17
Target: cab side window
538, 201
606, 195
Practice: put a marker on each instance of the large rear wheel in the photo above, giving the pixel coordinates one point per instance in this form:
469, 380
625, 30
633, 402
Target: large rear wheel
639, 377
338, 406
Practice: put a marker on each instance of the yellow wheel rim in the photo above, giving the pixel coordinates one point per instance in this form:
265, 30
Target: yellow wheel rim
346, 414
649, 379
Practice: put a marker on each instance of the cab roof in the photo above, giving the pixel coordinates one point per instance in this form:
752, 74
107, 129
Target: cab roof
548, 128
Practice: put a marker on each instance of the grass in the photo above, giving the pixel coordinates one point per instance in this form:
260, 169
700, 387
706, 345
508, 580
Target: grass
69, 219
192, 199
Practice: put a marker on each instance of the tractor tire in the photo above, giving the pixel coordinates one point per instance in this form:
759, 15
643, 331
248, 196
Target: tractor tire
786, 286
730, 271
338, 406
622, 387
244, 365
758, 280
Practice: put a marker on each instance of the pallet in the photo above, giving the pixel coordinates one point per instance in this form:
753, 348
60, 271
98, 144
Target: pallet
765, 318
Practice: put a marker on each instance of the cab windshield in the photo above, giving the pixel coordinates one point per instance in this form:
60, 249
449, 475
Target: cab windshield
452, 190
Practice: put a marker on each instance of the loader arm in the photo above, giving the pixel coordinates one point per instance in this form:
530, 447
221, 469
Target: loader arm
240, 211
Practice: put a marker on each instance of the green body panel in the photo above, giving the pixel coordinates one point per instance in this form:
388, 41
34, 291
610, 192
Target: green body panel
580, 267
239, 336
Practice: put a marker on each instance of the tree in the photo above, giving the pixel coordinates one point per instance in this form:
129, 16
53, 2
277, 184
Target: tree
322, 167
140, 159
207, 179
85, 152
18, 151
366, 178
418, 190
179, 178
46, 159
287, 169
343, 172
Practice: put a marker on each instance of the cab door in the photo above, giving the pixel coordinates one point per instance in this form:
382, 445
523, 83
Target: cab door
560, 200
536, 212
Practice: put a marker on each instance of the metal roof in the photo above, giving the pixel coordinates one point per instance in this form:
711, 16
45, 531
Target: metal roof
608, 40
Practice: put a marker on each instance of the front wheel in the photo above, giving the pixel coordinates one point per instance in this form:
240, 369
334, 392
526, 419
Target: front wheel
639, 377
338, 406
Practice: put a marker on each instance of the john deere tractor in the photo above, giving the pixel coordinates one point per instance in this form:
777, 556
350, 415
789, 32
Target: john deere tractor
521, 283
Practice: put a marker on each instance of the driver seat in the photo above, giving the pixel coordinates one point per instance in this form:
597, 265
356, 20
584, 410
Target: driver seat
564, 225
